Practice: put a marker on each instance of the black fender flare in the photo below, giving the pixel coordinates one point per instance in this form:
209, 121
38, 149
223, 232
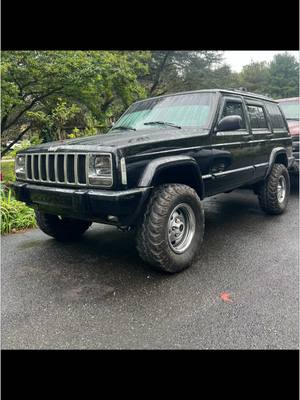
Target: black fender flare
157, 165
274, 153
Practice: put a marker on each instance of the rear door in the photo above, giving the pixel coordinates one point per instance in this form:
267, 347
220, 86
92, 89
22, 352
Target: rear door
232, 164
260, 128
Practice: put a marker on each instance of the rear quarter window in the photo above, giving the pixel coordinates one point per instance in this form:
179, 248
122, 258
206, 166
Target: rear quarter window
276, 117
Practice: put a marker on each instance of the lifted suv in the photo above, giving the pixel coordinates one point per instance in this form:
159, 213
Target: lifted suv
152, 170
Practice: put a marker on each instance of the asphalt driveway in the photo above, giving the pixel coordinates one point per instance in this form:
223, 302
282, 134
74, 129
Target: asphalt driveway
97, 293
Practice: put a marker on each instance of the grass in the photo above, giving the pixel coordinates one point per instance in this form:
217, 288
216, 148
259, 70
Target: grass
8, 172
14, 214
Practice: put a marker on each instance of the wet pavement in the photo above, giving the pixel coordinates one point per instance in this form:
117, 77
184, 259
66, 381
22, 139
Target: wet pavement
98, 294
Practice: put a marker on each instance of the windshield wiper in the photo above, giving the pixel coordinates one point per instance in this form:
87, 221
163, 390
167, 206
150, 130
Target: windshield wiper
121, 127
292, 119
162, 123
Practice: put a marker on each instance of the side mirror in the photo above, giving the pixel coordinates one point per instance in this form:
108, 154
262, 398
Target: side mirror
230, 123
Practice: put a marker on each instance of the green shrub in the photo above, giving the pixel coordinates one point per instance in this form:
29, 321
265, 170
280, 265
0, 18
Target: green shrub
14, 214
8, 172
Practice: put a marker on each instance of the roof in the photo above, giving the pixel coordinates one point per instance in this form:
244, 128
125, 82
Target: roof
236, 92
289, 99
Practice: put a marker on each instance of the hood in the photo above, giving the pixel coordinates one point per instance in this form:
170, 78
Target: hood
113, 141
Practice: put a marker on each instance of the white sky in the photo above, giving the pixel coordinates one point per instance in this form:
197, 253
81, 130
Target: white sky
237, 59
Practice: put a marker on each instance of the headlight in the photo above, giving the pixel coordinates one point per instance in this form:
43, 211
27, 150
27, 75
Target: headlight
20, 166
100, 170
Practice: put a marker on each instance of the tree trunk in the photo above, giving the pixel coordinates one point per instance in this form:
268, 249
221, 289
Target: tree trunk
159, 72
59, 133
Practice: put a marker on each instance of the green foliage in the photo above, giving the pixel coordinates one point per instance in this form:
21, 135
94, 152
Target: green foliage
8, 172
64, 94
14, 214
88, 131
284, 76
35, 140
255, 77
59, 116
209, 78
278, 79
94, 81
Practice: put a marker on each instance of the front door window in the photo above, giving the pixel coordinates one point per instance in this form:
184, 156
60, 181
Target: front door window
234, 108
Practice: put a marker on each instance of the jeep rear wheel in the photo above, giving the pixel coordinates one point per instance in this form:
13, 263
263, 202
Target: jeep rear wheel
171, 232
273, 194
62, 229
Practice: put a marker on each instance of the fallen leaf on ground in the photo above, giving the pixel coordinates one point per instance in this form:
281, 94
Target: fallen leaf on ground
225, 297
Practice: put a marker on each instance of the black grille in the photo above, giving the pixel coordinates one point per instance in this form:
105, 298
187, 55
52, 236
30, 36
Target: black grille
81, 169
36, 167
51, 169
28, 167
70, 168
63, 168
60, 168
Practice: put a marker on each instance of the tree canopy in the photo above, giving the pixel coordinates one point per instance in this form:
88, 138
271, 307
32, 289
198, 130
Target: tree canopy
34, 83
58, 94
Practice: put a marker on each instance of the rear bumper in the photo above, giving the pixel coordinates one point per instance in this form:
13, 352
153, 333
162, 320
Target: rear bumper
93, 205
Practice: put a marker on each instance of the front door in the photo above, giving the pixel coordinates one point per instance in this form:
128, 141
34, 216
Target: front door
232, 164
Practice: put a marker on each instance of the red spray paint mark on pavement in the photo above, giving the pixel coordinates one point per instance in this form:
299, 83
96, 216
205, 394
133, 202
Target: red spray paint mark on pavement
225, 297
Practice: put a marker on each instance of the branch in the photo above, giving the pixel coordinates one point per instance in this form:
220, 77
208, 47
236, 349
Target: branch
21, 134
162, 92
3, 121
106, 104
29, 107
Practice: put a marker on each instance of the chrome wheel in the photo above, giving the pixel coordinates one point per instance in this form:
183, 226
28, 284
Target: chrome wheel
281, 189
181, 227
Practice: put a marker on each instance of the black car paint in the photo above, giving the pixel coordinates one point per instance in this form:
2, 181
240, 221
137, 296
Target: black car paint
221, 161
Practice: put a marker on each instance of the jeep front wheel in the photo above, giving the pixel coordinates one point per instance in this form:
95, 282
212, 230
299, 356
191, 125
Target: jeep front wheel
172, 229
273, 193
62, 229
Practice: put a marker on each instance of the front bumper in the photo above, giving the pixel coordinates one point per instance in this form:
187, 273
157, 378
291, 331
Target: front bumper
94, 205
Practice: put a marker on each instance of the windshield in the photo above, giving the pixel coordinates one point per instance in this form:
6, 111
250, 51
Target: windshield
185, 110
290, 109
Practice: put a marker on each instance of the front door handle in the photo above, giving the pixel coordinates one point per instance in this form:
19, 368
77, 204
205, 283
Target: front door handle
247, 138
269, 135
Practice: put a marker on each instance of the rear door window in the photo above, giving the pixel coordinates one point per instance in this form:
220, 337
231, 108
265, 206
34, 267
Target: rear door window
257, 117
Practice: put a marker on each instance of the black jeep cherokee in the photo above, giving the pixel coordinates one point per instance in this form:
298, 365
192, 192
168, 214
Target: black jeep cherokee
152, 170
